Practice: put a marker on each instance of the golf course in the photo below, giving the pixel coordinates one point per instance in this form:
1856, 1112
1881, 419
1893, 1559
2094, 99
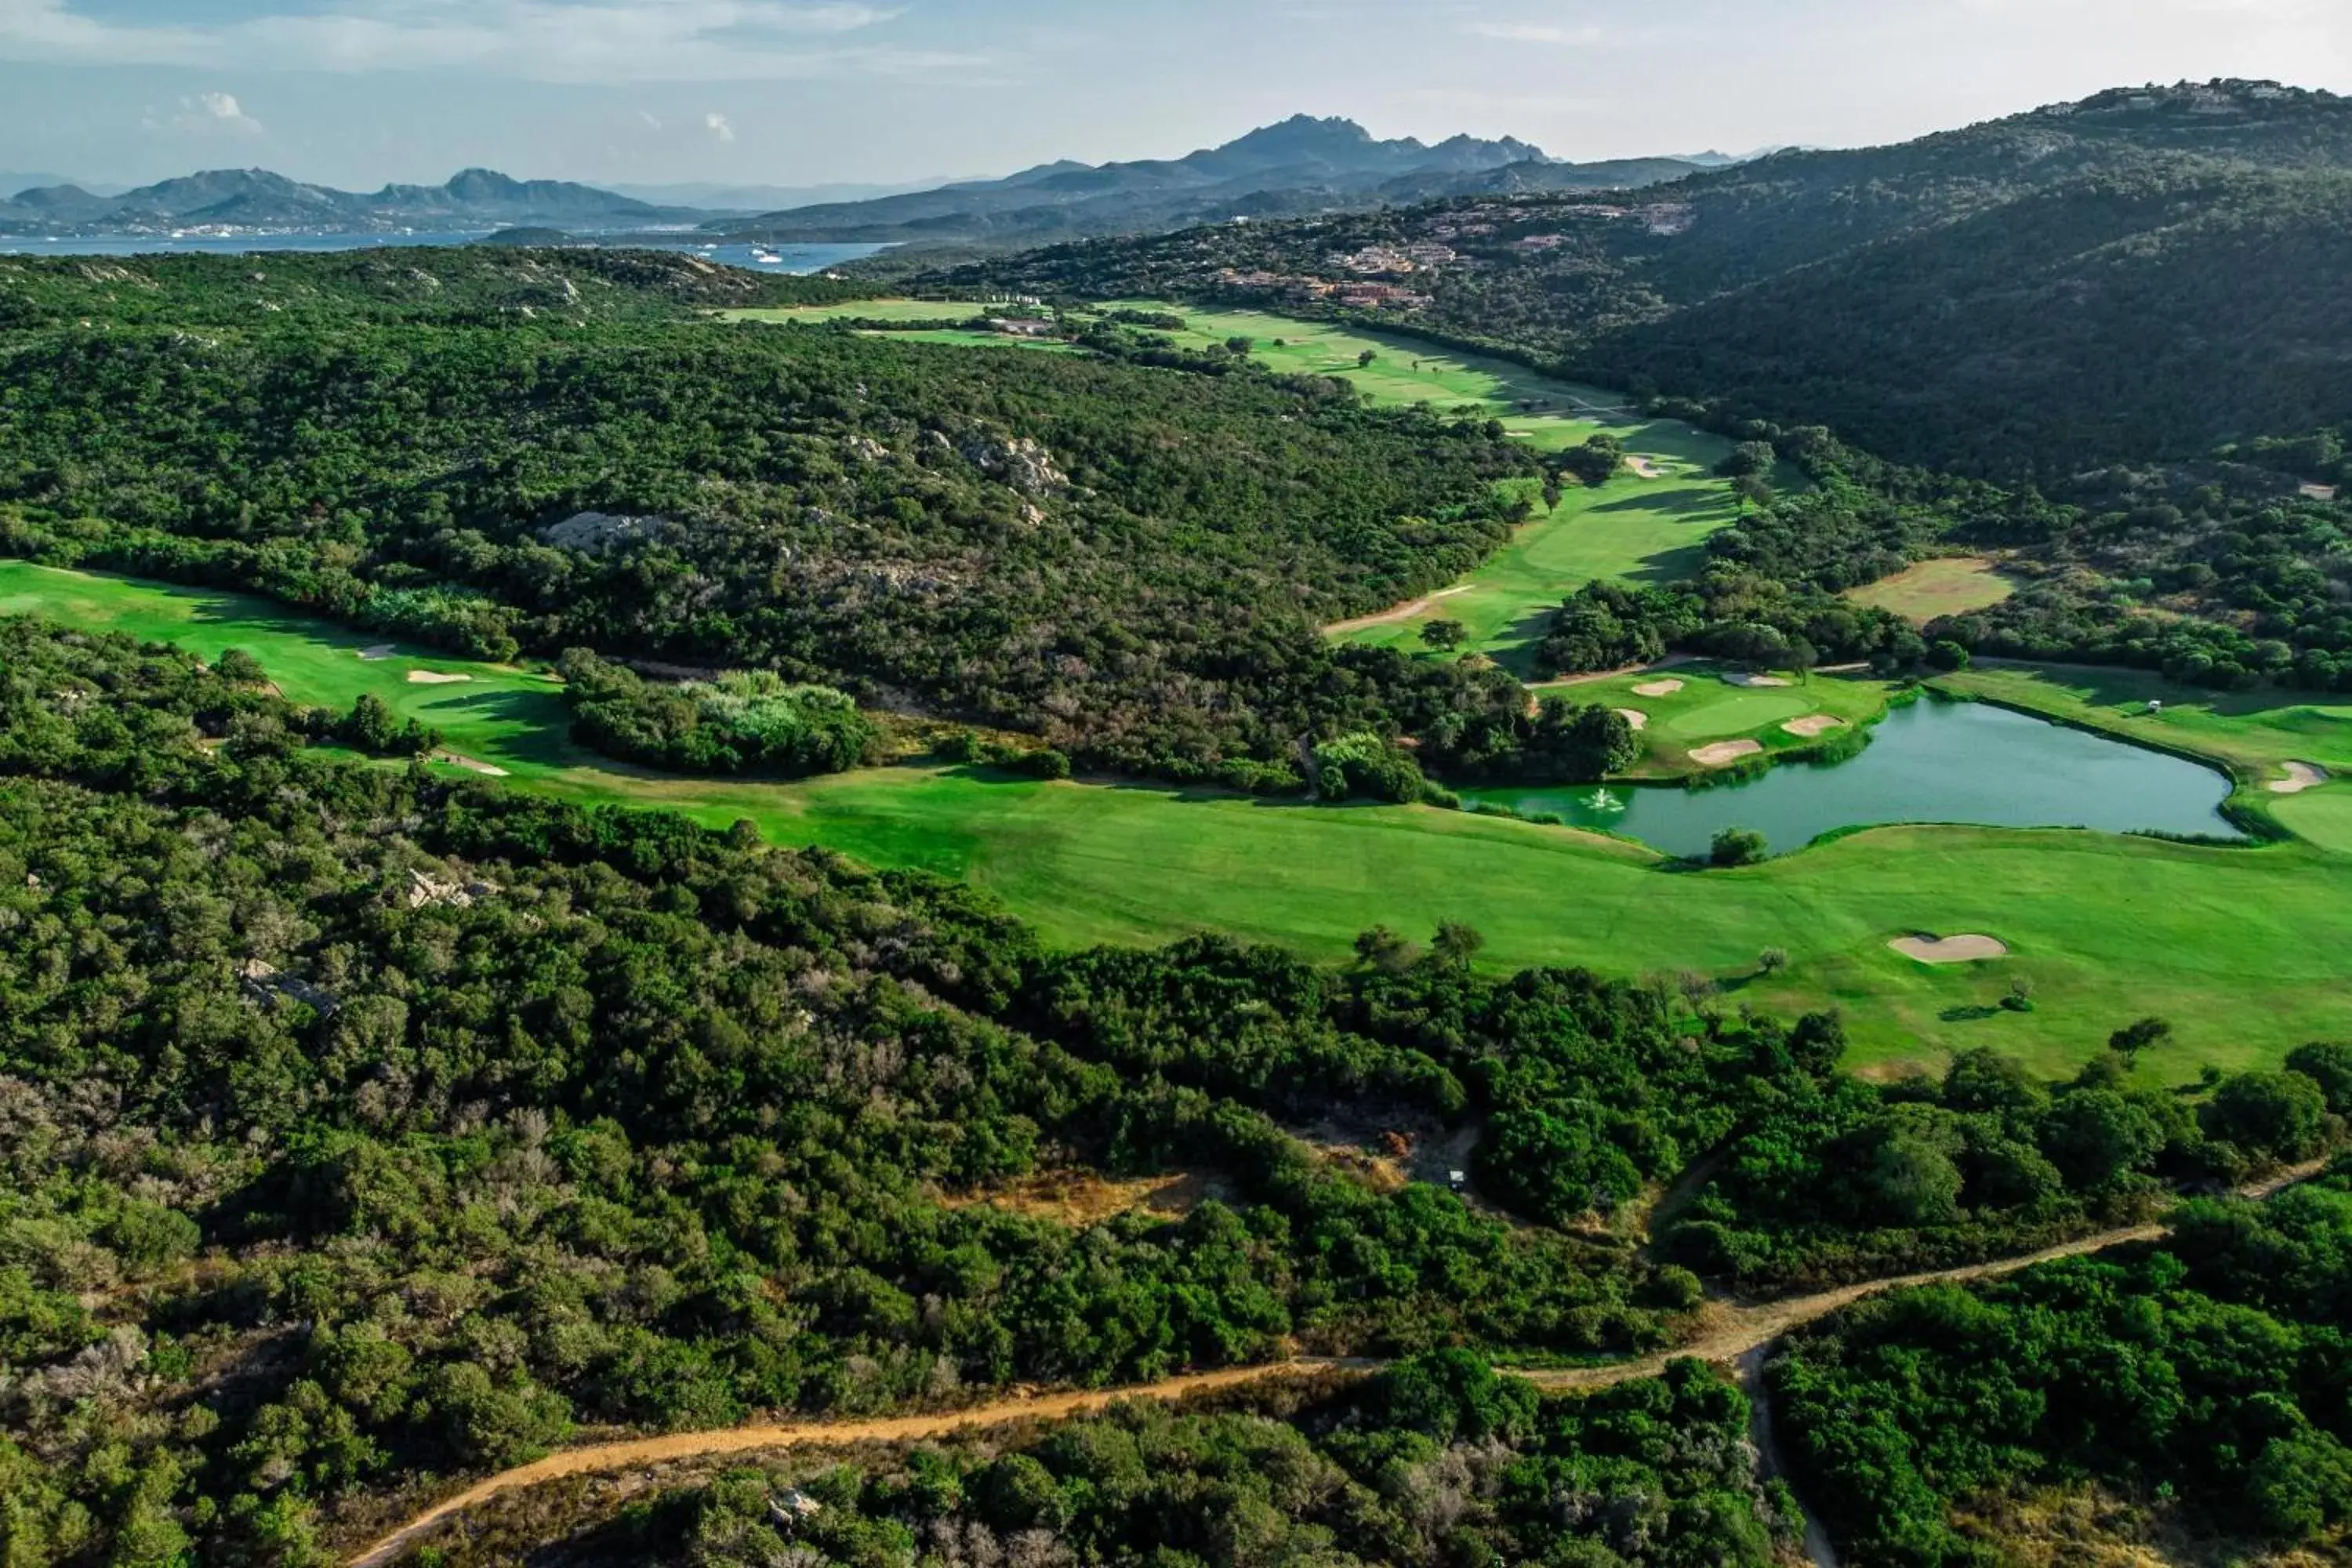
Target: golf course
1650, 524
2240, 947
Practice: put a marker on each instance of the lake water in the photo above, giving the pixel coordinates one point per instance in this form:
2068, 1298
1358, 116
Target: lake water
1935, 761
796, 259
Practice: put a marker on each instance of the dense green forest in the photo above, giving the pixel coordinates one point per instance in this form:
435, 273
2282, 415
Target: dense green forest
2208, 1377
1130, 562
362, 1125
1435, 1460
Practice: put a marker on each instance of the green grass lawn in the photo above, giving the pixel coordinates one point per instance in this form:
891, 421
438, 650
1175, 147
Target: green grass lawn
1932, 589
2242, 949
1711, 708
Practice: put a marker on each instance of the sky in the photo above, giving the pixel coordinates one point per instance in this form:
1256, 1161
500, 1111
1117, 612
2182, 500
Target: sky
357, 93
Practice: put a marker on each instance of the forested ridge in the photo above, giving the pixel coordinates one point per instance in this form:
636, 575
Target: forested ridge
1130, 562
2093, 341
362, 1126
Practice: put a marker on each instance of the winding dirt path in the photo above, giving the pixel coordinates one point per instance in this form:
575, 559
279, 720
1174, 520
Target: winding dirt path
1733, 1333
1403, 612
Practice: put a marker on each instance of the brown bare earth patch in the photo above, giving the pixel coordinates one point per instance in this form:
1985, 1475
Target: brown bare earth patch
1813, 726
1723, 753
1969, 949
1390, 617
1082, 1198
1657, 689
435, 678
1635, 716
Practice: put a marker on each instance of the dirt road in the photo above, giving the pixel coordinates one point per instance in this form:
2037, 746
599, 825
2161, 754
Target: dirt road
1734, 1332
1403, 612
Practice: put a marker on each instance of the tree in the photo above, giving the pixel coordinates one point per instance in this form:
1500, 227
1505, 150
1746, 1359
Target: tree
1772, 961
1947, 656
2283, 1115
2133, 1038
1444, 635
1238, 346
1740, 846
2328, 1064
1364, 360
1455, 944
1746, 460
1753, 489
1383, 949
1598, 461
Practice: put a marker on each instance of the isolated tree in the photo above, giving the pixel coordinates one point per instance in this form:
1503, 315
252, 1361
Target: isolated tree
1364, 360
2133, 1038
1740, 846
1240, 346
1444, 635
1772, 961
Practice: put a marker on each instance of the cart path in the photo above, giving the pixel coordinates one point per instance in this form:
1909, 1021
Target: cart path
1733, 1333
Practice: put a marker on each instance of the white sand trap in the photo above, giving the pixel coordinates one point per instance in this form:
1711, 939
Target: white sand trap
435, 678
1723, 753
471, 765
1755, 680
1658, 688
1813, 725
1950, 948
2299, 776
379, 653
1635, 716
1645, 467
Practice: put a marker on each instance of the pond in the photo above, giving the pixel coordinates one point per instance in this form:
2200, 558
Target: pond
1935, 761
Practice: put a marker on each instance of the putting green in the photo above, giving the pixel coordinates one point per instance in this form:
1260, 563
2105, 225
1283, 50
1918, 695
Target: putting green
2241, 948
1710, 706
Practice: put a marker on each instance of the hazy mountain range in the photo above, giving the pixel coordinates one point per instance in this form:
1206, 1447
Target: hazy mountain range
256, 199
1301, 167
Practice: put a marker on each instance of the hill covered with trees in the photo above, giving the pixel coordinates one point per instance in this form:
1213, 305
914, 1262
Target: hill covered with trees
361, 1126
2143, 274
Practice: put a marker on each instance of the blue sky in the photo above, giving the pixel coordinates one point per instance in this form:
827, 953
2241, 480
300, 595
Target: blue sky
357, 92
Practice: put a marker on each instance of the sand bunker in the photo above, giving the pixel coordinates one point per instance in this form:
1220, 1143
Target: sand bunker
1950, 948
1723, 753
379, 653
435, 678
471, 765
1646, 469
1813, 726
1755, 680
2299, 776
1658, 688
1635, 716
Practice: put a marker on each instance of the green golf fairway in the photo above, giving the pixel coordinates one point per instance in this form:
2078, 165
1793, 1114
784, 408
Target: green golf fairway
2240, 948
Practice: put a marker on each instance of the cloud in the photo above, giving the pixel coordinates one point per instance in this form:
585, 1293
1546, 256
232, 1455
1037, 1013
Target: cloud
1532, 33
541, 40
717, 125
204, 113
